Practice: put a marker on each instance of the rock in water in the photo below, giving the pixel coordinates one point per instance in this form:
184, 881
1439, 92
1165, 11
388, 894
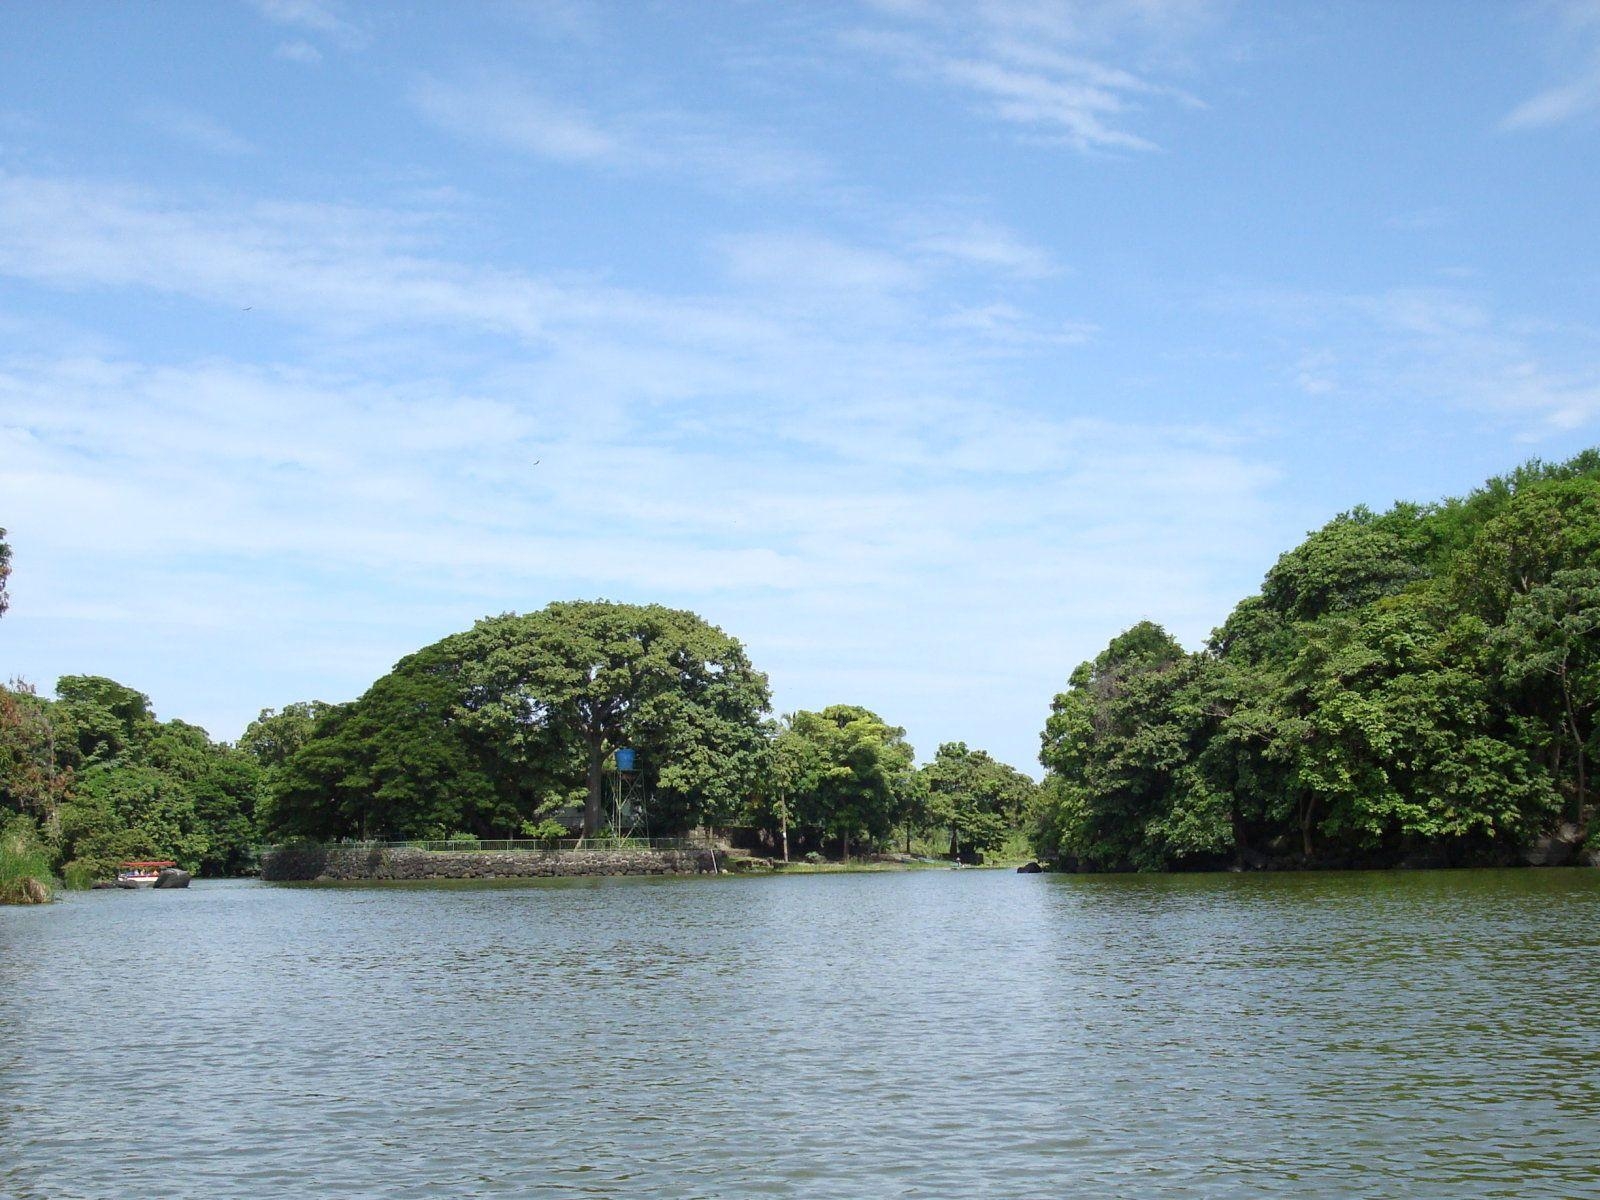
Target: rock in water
1029, 868
1554, 849
171, 877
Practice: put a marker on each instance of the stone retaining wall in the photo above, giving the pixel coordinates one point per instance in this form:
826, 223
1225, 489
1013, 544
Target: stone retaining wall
306, 863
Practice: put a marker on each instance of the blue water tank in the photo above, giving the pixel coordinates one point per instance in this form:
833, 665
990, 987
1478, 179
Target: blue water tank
624, 760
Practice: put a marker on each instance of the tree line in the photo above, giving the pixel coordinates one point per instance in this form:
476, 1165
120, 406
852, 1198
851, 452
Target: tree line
505, 730
1413, 686
1418, 685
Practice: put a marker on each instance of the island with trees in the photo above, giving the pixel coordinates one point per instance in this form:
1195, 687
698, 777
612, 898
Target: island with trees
1413, 687
1418, 686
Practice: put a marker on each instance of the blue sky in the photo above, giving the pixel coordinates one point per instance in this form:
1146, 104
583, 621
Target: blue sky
921, 346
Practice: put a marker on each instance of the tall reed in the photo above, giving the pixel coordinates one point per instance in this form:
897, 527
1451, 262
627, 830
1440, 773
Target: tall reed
24, 863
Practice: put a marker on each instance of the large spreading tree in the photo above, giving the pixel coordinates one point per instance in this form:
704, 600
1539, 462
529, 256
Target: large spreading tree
491, 728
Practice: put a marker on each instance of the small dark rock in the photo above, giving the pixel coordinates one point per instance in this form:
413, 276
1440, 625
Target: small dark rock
172, 877
1029, 868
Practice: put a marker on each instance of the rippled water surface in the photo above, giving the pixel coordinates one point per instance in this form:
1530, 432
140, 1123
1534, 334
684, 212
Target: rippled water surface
944, 1034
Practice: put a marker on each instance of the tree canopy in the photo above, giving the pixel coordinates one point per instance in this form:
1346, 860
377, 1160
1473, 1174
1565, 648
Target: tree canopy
103, 780
1417, 685
492, 728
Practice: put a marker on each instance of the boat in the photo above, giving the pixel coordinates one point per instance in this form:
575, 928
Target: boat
142, 873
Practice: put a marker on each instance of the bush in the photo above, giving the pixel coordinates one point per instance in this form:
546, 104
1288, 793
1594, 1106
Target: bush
24, 864
79, 875
547, 830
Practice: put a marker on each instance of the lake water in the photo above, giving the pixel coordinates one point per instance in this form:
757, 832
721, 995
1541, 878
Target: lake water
937, 1034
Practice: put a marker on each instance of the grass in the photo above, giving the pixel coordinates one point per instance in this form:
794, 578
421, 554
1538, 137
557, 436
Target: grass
24, 864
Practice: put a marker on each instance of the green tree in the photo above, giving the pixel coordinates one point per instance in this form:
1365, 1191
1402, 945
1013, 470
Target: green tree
1549, 651
978, 800
109, 719
1115, 741
592, 676
34, 755
398, 762
857, 772
276, 734
1351, 561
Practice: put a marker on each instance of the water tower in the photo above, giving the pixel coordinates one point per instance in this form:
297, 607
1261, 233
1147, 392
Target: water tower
628, 817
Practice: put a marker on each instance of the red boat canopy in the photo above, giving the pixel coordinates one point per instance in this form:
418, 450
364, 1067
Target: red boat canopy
162, 863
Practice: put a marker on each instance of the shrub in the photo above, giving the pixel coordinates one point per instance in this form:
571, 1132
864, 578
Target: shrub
24, 864
79, 874
547, 830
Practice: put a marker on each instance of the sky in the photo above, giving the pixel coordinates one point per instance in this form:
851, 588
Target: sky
921, 346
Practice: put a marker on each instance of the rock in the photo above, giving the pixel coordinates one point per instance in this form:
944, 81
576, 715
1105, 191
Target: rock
172, 877
1554, 849
104, 885
31, 891
706, 862
1029, 868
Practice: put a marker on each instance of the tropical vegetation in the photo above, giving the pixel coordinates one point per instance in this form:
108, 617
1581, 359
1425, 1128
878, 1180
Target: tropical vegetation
1419, 685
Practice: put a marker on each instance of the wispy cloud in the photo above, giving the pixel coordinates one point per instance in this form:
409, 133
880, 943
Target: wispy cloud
1576, 26
299, 51
984, 245
842, 493
1449, 348
195, 128
504, 111
319, 17
1041, 67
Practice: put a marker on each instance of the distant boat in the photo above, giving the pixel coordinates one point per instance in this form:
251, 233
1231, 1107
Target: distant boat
141, 874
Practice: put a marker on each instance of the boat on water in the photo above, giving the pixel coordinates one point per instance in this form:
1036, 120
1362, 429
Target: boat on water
142, 874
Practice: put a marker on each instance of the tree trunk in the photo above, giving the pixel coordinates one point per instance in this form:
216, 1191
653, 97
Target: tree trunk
1578, 747
844, 846
1236, 819
783, 826
591, 808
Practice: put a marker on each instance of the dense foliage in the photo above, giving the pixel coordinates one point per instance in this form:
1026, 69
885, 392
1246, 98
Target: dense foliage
99, 780
1417, 685
840, 777
493, 730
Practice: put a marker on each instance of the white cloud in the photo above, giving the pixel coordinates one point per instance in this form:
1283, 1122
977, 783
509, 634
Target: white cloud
298, 51
985, 245
1575, 27
862, 501
318, 17
503, 111
1030, 64
812, 263
196, 128
1446, 348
